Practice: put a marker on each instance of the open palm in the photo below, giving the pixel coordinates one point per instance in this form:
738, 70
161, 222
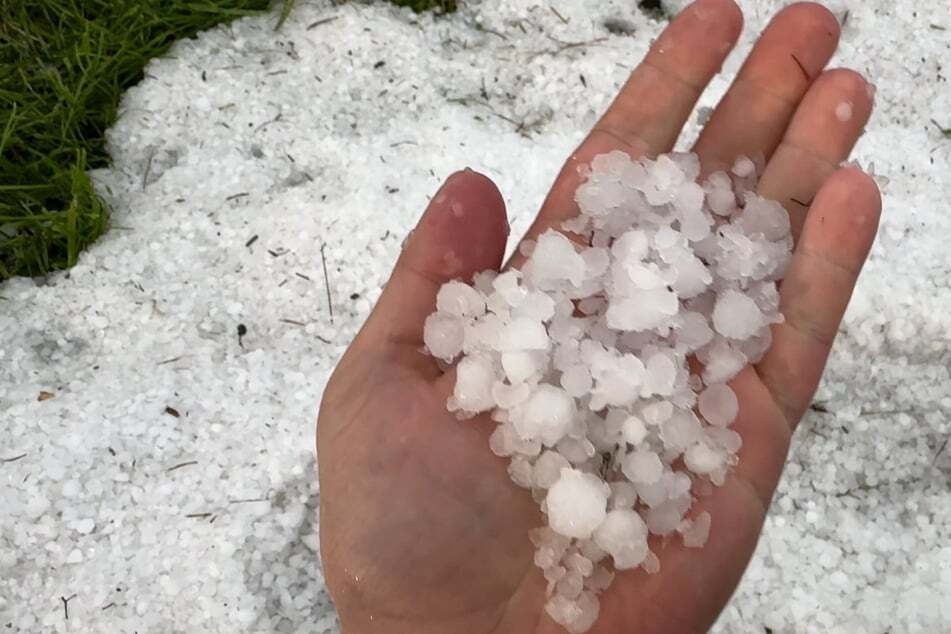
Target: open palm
421, 528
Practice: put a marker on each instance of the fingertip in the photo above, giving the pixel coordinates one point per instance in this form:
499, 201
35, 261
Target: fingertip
464, 229
724, 17
851, 88
860, 190
811, 16
727, 11
470, 184
844, 218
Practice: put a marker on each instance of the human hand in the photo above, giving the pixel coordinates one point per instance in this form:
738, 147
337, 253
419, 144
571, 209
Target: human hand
422, 529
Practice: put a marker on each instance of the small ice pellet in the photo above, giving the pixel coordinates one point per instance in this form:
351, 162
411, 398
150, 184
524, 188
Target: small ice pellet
743, 167
523, 333
576, 380
518, 366
462, 300
443, 336
695, 532
634, 431
702, 459
843, 111
643, 465
736, 315
475, 376
718, 405
548, 468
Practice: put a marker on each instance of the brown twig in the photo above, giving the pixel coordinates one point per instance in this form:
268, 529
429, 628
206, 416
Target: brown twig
66, 601
323, 261
249, 500
314, 25
180, 465
938, 453
563, 19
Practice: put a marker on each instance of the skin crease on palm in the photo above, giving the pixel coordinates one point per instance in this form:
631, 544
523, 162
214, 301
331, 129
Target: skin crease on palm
422, 530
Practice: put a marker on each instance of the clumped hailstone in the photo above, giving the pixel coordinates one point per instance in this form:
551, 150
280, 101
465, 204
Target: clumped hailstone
581, 357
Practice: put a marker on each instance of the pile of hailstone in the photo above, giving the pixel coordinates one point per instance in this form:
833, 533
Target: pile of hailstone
582, 359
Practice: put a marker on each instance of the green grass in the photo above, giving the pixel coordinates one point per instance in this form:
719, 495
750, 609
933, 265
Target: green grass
63, 67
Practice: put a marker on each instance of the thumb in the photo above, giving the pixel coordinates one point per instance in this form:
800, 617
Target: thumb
462, 232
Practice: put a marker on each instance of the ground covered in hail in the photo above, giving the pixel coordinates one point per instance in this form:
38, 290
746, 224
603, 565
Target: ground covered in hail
156, 469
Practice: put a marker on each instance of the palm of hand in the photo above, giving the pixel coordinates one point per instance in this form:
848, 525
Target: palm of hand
421, 528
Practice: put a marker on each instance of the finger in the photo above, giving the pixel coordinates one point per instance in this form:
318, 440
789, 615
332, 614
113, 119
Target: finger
462, 232
647, 115
823, 131
835, 241
752, 116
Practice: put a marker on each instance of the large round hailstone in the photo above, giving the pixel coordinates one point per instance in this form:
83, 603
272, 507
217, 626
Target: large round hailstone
456, 298
623, 535
694, 331
764, 216
703, 459
507, 286
623, 494
508, 396
547, 469
577, 504
596, 261
523, 333
642, 310
546, 416
736, 315
537, 306
576, 379
443, 336
475, 376
693, 277
631, 247
519, 366
718, 405
681, 430
660, 375
555, 259
633, 430
721, 362
618, 381
642, 466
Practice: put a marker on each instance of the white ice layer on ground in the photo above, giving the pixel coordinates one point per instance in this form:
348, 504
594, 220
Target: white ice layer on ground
601, 407
98, 508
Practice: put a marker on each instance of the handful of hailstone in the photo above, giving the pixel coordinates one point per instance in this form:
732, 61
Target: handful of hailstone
582, 359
